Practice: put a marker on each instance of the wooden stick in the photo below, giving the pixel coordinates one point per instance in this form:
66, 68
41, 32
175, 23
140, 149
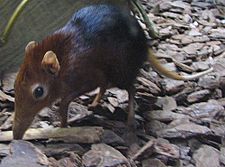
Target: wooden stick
12, 21
74, 134
152, 30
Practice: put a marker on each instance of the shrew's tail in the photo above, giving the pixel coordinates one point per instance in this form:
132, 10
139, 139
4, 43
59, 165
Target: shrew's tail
170, 74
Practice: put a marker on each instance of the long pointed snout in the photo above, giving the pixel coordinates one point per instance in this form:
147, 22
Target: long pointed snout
21, 124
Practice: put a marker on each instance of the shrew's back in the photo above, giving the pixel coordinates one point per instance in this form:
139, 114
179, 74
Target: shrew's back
109, 39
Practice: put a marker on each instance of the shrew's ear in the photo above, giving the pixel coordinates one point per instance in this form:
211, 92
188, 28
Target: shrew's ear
50, 63
30, 45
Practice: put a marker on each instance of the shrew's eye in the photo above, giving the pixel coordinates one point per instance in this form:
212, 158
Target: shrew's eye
38, 92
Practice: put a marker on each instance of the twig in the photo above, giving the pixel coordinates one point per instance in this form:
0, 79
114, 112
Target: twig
153, 32
147, 146
11, 22
75, 134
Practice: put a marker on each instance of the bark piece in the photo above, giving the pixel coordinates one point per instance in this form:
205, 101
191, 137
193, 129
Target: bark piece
7, 124
164, 116
200, 66
109, 137
73, 160
193, 48
209, 81
218, 33
121, 95
207, 156
164, 6
184, 131
167, 103
159, 146
152, 163
24, 153
60, 149
167, 149
171, 15
104, 155
153, 126
180, 4
154, 89
218, 129
219, 65
198, 96
172, 86
8, 81
113, 101
4, 150
3, 117
194, 32
200, 4
77, 112
204, 110
222, 155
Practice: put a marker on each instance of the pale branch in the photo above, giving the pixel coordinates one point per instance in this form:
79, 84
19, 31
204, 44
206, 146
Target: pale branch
74, 134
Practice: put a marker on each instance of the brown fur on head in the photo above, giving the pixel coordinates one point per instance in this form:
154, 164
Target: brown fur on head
36, 85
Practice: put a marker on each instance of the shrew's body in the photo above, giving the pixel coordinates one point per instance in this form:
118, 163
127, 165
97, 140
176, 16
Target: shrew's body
100, 46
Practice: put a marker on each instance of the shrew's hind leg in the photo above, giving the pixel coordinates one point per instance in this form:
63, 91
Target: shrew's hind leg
131, 113
98, 96
102, 83
130, 136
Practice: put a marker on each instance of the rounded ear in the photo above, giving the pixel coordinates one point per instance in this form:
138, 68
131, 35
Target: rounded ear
50, 63
30, 45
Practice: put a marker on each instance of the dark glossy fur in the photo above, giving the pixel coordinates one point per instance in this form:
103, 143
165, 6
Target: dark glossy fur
101, 45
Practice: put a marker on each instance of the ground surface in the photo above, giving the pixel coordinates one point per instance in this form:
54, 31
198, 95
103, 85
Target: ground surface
180, 123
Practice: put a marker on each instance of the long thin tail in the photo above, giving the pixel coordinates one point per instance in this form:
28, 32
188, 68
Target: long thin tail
170, 74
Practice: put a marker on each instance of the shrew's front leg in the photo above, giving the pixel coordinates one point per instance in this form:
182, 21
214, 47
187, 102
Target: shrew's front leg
63, 108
